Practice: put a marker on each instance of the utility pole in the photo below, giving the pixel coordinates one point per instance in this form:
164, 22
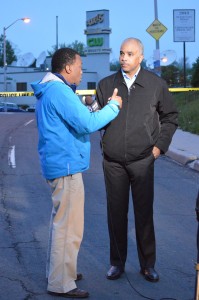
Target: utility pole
57, 33
157, 51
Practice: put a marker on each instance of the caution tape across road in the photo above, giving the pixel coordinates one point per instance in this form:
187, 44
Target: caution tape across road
183, 89
24, 94
84, 92
16, 94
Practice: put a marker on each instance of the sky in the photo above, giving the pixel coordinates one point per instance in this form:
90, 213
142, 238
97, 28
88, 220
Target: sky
127, 19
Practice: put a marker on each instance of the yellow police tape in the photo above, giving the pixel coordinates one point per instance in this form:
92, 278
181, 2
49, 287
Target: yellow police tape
23, 94
183, 89
85, 92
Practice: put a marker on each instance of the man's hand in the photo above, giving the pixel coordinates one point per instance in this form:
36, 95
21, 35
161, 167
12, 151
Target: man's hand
116, 97
156, 152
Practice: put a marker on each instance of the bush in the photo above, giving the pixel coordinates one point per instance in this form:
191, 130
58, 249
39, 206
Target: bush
195, 75
188, 108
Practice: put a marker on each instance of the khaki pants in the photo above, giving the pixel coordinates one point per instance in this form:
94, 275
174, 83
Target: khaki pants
66, 232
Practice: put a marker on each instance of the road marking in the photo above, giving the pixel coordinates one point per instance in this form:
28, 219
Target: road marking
11, 157
27, 123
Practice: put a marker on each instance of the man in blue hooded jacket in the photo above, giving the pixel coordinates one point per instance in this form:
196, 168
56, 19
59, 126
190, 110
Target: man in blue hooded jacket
64, 124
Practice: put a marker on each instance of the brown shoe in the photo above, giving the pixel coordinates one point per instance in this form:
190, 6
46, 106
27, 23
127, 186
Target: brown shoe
76, 293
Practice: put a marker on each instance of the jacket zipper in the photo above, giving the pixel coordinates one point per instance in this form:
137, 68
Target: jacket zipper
125, 147
68, 168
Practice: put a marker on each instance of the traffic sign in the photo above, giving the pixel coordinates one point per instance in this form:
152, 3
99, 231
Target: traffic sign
184, 25
156, 29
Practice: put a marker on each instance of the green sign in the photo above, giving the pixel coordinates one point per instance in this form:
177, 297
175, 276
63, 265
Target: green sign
95, 42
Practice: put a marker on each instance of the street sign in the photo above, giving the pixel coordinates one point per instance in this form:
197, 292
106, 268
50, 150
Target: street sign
184, 25
156, 29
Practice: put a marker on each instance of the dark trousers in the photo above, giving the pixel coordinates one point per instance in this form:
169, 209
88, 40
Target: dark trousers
120, 178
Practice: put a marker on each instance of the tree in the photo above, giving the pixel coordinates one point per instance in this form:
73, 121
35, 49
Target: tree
10, 53
114, 65
54, 48
171, 74
143, 64
188, 70
78, 46
195, 74
174, 73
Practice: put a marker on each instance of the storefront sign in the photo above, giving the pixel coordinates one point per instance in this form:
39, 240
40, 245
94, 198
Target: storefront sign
95, 42
93, 21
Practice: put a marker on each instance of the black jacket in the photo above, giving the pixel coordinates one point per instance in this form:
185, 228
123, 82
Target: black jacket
148, 117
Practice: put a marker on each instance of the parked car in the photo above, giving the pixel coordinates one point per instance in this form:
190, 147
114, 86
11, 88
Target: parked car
31, 108
1, 106
10, 107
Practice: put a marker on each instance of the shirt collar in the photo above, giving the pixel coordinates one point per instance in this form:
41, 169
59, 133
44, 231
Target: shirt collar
129, 81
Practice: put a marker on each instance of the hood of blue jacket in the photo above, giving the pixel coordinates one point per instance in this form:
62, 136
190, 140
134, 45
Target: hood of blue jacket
40, 87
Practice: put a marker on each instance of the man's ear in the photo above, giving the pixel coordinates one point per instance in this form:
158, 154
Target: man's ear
68, 69
141, 58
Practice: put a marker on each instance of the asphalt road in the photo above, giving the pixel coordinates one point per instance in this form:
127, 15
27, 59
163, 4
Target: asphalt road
25, 207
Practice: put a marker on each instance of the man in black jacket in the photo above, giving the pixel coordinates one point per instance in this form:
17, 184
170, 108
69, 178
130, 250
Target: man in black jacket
131, 144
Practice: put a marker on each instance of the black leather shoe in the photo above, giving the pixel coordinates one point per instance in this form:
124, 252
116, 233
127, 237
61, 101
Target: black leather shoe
79, 276
76, 293
114, 272
150, 274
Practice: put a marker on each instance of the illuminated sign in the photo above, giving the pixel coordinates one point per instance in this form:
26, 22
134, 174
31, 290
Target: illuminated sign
97, 31
93, 21
95, 42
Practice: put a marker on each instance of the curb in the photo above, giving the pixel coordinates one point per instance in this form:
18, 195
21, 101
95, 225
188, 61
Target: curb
184, 157
196, 165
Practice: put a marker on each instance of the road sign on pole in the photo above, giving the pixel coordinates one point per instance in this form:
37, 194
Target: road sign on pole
184, 30
156, 29
184, 25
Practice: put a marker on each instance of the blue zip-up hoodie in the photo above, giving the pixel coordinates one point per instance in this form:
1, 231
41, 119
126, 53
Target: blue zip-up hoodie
64, 125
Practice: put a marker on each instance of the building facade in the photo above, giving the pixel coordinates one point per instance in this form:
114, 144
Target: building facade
96, 62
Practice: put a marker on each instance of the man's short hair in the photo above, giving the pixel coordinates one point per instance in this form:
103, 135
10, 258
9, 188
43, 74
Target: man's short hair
61, 58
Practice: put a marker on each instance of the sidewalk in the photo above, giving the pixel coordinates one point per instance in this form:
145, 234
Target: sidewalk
184, 149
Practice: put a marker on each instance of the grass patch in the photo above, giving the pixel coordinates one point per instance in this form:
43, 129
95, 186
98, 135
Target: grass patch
188, 107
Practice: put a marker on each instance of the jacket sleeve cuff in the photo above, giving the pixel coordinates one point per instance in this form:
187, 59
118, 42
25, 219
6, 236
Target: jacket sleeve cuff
114, 104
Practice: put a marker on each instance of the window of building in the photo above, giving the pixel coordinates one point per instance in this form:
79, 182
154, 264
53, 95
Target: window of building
21, 86
91, 85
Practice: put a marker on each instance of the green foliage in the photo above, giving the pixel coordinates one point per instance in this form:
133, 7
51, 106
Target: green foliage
171, 75
174, 74
195, 75
78, 46
54, 48
10, 53
114, 65
188, 108
143, 64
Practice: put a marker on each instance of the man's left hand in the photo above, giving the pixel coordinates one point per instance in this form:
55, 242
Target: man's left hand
156, 152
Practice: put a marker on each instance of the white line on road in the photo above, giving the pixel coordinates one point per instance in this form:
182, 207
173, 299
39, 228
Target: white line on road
11, 157
27, 123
